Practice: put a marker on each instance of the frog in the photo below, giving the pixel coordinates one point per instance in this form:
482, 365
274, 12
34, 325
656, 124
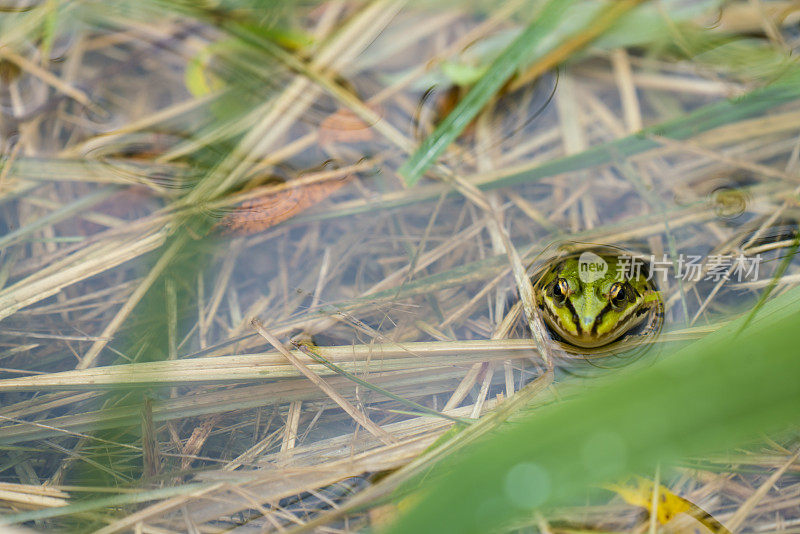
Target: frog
594, 303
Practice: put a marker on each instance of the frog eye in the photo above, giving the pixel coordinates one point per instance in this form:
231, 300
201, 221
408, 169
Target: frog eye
560, 291
618, 295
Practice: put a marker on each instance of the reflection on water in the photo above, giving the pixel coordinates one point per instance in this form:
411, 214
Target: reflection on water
21, 93
242, 175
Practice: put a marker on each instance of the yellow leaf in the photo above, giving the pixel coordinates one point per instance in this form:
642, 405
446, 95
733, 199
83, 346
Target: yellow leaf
638, 491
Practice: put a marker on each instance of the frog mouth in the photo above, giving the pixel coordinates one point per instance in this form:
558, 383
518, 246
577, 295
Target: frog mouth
590, 339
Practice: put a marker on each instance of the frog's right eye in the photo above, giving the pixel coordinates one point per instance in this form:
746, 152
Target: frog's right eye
618, 295
559, 291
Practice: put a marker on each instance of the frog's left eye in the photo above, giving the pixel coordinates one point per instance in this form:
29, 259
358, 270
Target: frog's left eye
559, 291
618, 295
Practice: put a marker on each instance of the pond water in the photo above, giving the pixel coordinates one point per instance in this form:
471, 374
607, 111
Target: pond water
169, 178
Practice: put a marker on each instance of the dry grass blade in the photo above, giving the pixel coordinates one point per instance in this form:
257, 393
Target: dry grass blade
48, 78
358, 416
248, 367
735, 522
92, 260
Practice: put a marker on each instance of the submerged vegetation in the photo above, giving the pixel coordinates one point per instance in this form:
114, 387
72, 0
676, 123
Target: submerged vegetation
267, 265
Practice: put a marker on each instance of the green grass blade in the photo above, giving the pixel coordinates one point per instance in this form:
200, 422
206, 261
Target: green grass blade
501, 69
533, 41
775, 279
